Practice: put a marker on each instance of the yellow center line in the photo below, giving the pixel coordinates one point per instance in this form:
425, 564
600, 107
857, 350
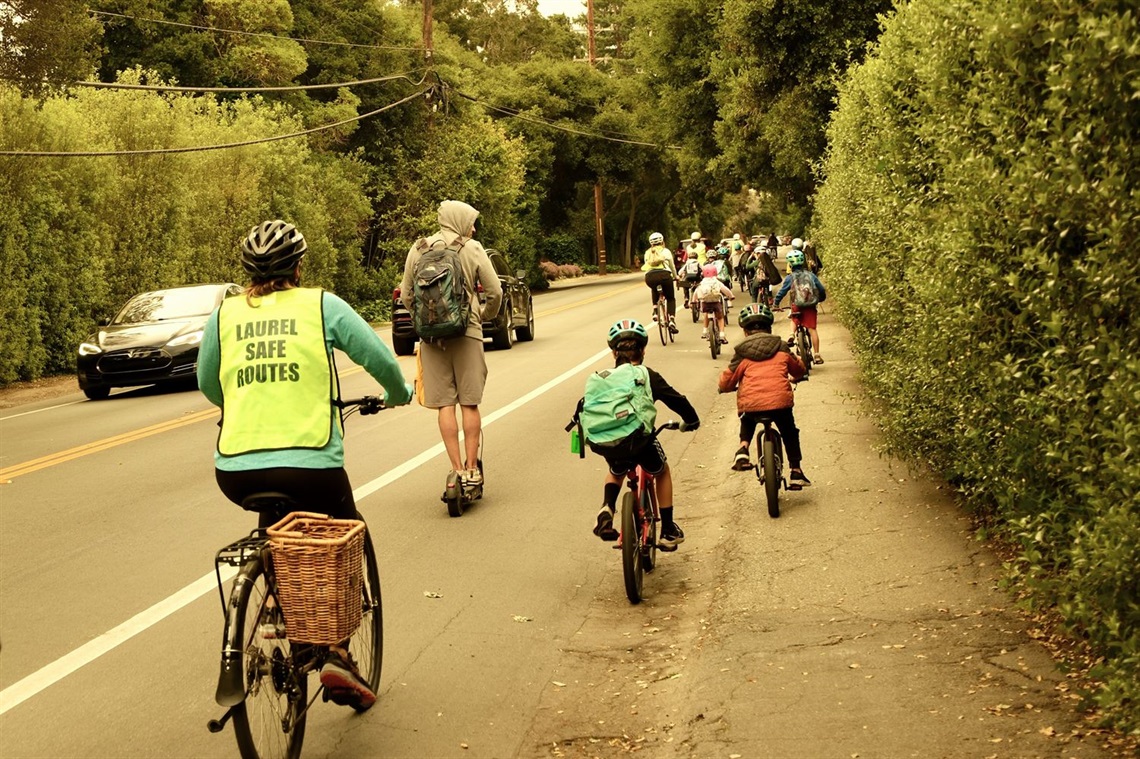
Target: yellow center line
101, 445
71, 454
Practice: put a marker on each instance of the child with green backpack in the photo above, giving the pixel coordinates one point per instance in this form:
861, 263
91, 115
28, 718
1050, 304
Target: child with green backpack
618, 416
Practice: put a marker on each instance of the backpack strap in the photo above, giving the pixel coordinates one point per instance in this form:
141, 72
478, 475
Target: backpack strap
576, 421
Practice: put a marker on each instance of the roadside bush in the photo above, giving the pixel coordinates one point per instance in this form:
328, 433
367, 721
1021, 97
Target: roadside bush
569, 270
562, 249
979, 219
78, 236
549, 270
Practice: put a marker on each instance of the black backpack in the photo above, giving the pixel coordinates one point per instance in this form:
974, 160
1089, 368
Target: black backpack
441, 304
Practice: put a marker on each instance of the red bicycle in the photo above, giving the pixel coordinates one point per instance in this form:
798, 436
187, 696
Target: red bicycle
639, 519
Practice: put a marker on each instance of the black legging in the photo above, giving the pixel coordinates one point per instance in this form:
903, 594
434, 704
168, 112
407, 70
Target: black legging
662, 277
785, 423
323, 491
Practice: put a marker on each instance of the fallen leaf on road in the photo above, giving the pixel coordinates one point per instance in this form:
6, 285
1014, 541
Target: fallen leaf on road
560, 685
432, 594
520, 618
1047, 731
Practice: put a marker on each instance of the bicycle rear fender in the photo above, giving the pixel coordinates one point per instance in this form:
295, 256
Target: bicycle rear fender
231, 689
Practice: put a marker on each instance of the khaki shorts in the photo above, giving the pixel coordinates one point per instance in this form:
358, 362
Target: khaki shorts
454, 372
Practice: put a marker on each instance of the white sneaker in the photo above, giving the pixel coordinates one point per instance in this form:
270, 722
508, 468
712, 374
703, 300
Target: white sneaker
704, 334
472, 478
654, 317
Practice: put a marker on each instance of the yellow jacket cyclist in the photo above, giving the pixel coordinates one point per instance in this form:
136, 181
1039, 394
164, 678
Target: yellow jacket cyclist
267, 360
659, 270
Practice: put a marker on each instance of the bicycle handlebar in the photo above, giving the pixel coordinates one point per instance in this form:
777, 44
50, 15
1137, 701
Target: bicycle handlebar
365, 405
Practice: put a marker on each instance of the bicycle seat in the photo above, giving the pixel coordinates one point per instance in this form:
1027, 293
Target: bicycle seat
269, 501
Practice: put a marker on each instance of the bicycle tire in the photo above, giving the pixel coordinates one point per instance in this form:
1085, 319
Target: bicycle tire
366, 646
662, 322
631, 565
649, 548
714, 338
803, 347
771, 474
270, 722
695, 307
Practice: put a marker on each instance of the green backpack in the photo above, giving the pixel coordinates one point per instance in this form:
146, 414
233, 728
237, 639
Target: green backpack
617, 409
441, 305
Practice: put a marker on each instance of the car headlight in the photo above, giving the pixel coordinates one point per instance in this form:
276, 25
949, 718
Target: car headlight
89, 349
190, 338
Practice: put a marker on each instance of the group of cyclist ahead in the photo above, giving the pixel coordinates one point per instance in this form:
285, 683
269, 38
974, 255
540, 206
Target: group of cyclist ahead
706, 273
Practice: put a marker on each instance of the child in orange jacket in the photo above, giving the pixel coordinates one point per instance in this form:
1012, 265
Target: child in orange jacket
759, 373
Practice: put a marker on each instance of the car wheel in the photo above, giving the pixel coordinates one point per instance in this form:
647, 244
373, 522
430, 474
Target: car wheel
97, 393
526, 334
403, 346
504, 336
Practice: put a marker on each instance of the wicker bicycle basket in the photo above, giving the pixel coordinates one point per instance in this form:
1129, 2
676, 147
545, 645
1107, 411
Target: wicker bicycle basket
318, 561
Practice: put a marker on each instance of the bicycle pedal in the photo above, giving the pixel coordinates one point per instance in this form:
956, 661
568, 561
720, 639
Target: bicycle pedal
795, 486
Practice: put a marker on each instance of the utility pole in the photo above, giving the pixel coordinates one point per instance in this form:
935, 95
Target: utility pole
599, 214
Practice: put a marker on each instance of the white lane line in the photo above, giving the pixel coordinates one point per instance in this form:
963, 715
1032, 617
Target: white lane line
38, 410
21, 691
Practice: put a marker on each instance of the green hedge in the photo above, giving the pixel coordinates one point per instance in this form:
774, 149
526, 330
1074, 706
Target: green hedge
980, 220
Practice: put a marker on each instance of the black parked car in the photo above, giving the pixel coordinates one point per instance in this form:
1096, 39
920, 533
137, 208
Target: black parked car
154, 338
514, 320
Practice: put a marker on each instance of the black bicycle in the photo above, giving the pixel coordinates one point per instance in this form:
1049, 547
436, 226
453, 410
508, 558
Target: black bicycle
264, 677
770, 471
801, 341
661, 311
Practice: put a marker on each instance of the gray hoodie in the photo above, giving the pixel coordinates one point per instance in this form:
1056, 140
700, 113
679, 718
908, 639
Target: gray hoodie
457, 219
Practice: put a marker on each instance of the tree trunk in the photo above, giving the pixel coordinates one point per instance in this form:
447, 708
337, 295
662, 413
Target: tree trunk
633, 199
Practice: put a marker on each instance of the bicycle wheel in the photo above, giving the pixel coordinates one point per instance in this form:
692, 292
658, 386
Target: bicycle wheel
649, 547
771, 473
695, 307
270, 722
366, 646
631, 564
803, 347
662, 322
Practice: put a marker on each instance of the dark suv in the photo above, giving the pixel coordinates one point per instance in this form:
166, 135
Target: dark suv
514, 320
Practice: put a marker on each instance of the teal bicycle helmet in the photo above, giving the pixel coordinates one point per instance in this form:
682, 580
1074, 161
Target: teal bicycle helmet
795, 258
755, 315
627, 329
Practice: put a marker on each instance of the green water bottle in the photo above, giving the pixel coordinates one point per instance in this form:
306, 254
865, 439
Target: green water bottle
575, 441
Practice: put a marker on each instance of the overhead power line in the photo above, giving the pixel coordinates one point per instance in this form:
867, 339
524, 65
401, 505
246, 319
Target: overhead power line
200, 27
283, 88
516, 114
200, 148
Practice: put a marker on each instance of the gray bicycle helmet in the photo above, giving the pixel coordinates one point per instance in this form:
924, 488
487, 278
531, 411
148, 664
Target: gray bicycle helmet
272, 249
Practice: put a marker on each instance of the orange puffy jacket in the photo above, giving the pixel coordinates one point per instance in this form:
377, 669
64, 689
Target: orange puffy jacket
759, 372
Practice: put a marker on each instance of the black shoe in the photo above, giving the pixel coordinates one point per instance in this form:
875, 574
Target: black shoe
671, 537
604, 528
799, 476
345, 686
742, 462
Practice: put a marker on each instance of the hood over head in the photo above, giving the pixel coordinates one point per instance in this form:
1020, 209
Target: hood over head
760, 346
456, 219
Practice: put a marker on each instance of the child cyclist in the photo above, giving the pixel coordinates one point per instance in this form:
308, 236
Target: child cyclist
709, 292
806, 293
759, 373
628, 339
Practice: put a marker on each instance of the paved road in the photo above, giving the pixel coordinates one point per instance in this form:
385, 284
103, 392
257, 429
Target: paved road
863, 622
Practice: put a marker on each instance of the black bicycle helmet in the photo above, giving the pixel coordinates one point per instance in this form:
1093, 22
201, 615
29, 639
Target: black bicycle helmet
272, 249
755, 315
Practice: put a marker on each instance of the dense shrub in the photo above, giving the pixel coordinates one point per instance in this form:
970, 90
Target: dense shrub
80, 235
980, 219
562, 249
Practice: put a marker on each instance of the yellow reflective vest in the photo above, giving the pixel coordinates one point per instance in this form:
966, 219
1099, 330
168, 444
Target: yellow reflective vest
276, 373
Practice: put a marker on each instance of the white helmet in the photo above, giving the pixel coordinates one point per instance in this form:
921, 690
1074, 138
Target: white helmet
736, 236
798, 244
695, 236
656, 239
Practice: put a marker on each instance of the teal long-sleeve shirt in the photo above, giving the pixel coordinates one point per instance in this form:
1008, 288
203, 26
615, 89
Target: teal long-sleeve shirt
345, 330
